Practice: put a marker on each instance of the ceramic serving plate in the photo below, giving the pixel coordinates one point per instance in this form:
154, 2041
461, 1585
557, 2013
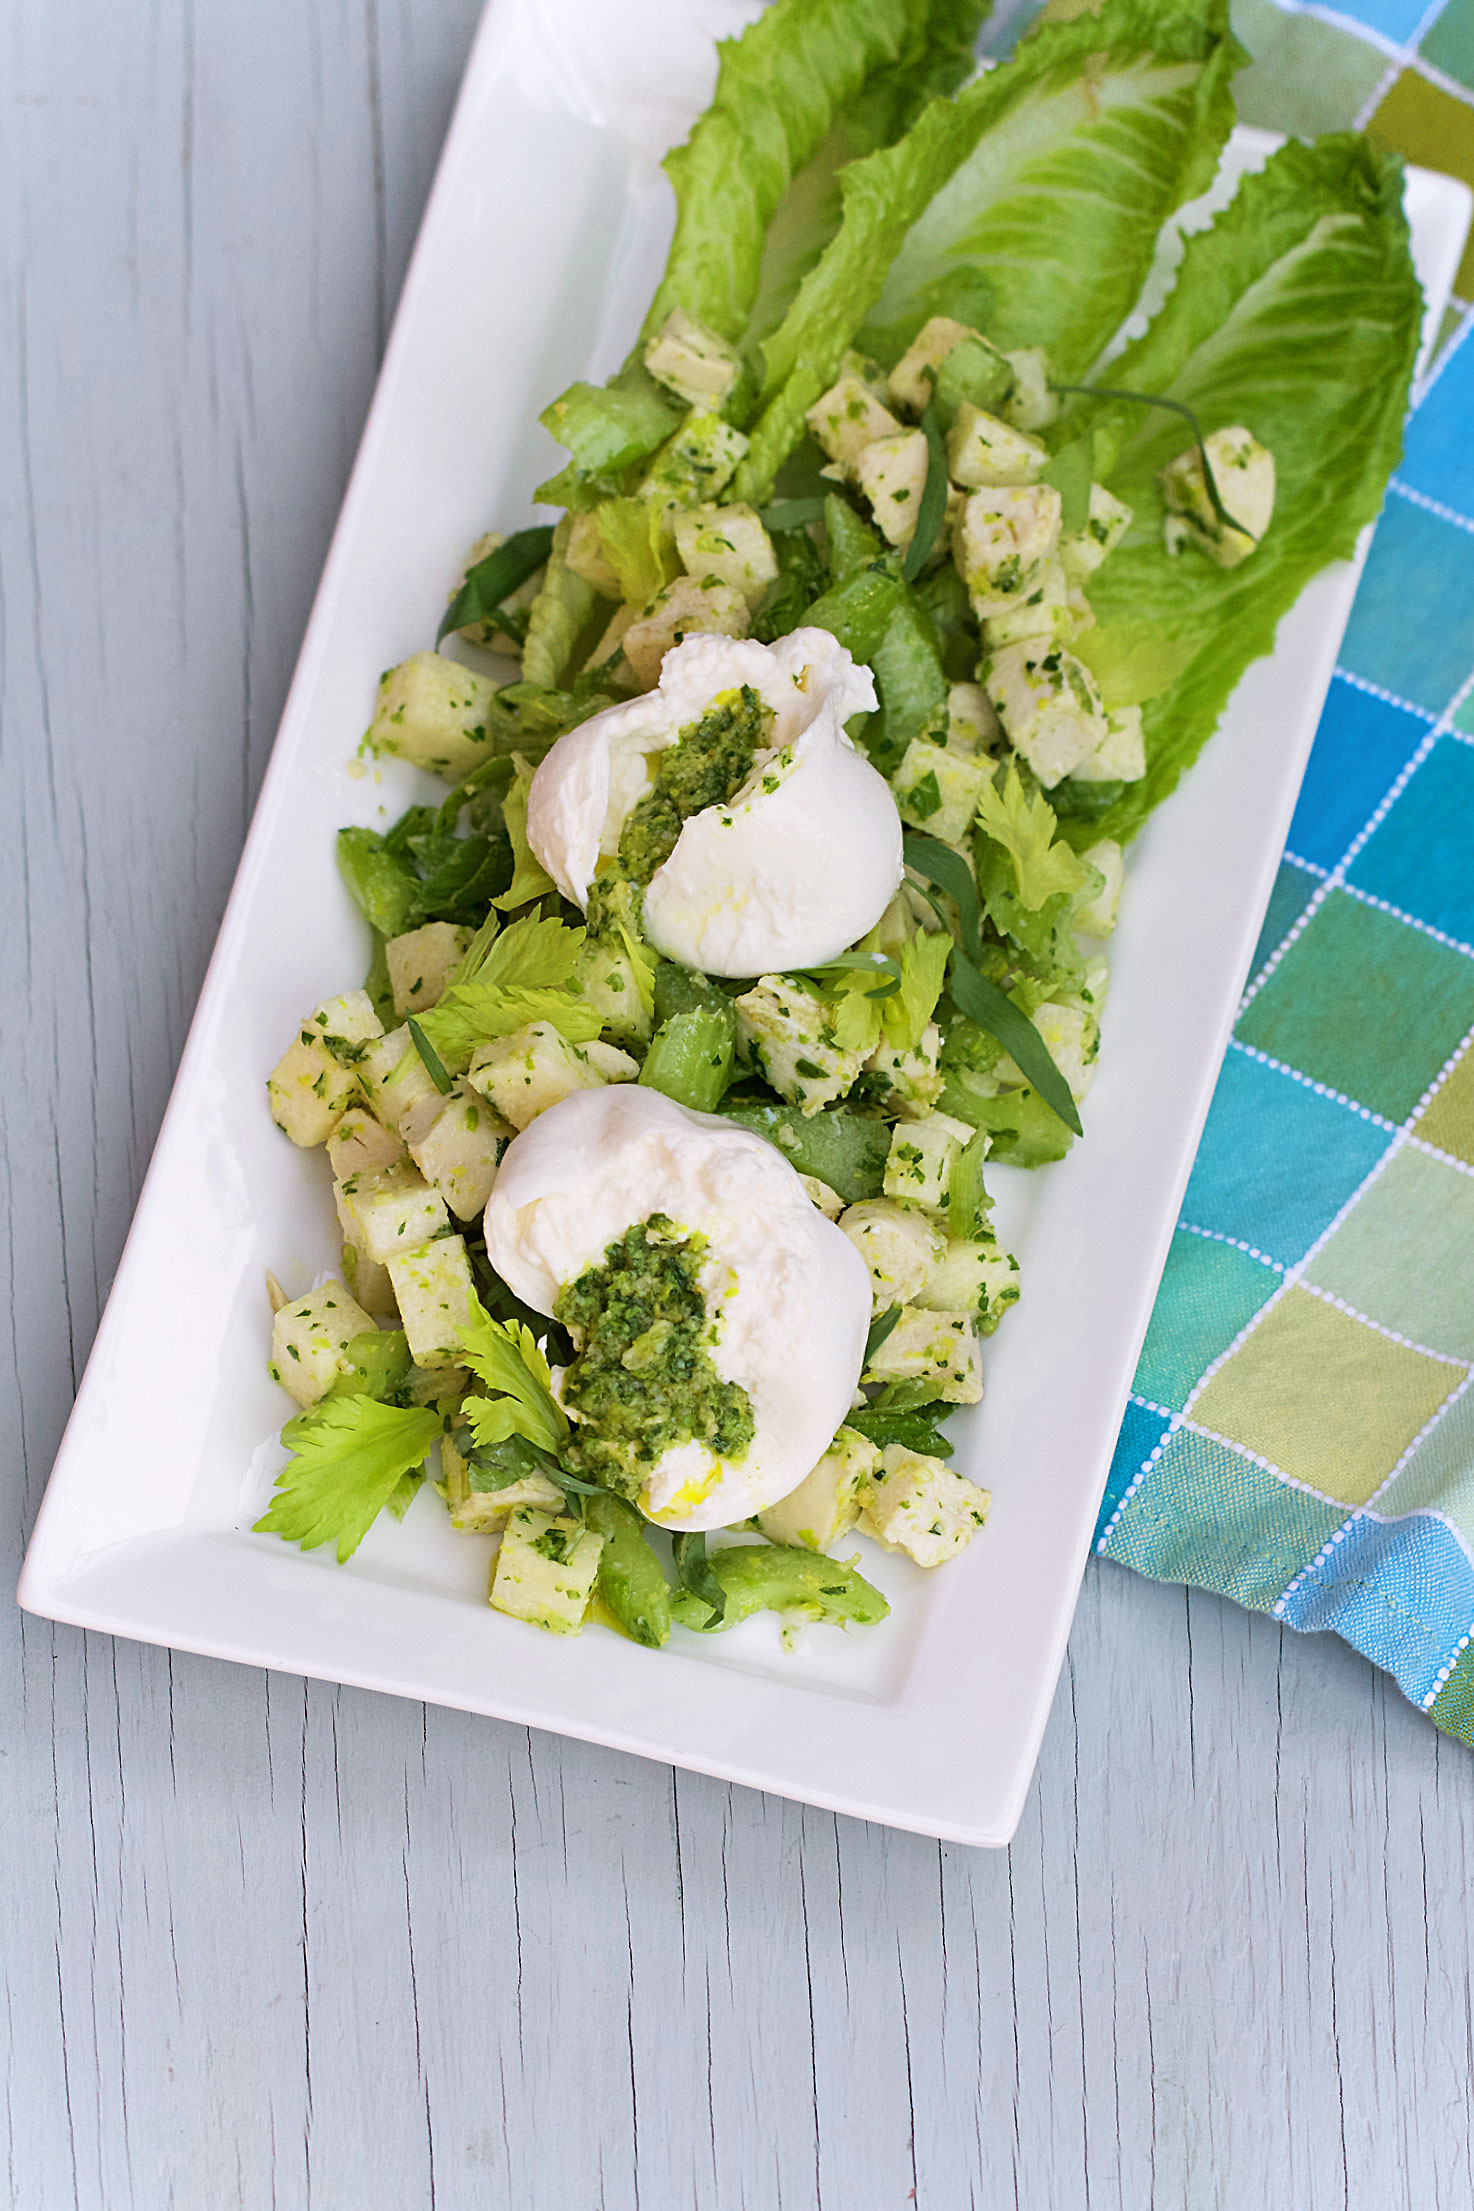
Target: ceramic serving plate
541, 245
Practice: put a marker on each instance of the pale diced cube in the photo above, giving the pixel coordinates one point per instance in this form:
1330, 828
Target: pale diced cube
533, 1068
693, 362
1082, 551
827, 1502
891, 473
689, 607
972, 726
400, 1087
1072, 1038
1098, 919
1031, 405
609, 1063
913, 379
900, 1248
545, 1570
1120, 757
694, 465
393, 1212
937, 789
458, 1153
1243, 474
310, 1339
368, 1281
982, 450
1005, 536
847, 419
435, 713
1054, 609
974, 1275
937, 1346
911, 1081
1048, 704
918, 1505
433, 1289
728, 544
919, 1165
829, 1202
421, 963
361, 1145
483, 1511
318, 1076
783, 1031
604, 974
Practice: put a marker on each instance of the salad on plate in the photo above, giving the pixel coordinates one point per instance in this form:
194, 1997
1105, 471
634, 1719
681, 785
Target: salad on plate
782, 790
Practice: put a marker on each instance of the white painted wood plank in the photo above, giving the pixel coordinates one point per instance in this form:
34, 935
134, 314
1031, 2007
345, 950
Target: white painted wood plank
267, 1943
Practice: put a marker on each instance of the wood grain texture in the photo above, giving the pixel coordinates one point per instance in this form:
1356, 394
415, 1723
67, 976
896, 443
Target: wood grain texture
268, 1944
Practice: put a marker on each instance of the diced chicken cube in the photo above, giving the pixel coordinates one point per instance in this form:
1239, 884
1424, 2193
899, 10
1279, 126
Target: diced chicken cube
318, 1076
1054, 609
692, 361
545, 1570
400, 1087
697, 463
458, 1153
910, 1082
689, 607
899, 1246
1082, 551
918, 1505
433, 1289
1098, 919
918, 1168
827, 1502
982, 450
393, 1212
1120, 757
937, 789
974, 1275
847, 419
783, 1030
1243, 474
361, 1145
935, 1346
533, 1068
421, 962
434, 713
728, 544
892, 474
1048, 704
1003, 541
1071, 1037
1031, 405
310, 1339
972, 726
483, 1511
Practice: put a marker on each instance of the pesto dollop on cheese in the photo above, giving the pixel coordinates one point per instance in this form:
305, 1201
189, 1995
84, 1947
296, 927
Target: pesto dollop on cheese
707, 765
643, 1380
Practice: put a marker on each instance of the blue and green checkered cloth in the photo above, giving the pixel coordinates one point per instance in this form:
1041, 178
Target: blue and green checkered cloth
1300, 1435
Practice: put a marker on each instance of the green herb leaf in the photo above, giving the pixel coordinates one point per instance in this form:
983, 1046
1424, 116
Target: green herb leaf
430, 1057
691, 1562
914, 1431
494, 579
351, 1455
1173, 406
984, 1003
967, 1199
791, 514
503, 1355
1071, 472
1024, 824
940, 865
882, 1326
931, 513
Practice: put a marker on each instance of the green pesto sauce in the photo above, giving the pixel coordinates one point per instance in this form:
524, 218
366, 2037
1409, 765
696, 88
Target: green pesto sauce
643, 1379
706, 765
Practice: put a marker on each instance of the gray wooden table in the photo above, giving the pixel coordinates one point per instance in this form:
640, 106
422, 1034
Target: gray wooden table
272, 1944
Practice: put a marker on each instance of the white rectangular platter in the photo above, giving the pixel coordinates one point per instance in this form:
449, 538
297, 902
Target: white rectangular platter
542, 241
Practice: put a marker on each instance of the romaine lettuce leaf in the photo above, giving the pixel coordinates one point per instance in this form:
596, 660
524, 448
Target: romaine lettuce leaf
1296, 314
881, 112
779, 87
1030, 204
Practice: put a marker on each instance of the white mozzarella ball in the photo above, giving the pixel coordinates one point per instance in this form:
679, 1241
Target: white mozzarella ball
803, 859
787, 1293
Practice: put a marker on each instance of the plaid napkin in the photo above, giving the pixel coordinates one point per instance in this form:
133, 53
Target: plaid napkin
1300, 1435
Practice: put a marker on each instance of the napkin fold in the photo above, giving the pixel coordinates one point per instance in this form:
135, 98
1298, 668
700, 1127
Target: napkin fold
1300, 1434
